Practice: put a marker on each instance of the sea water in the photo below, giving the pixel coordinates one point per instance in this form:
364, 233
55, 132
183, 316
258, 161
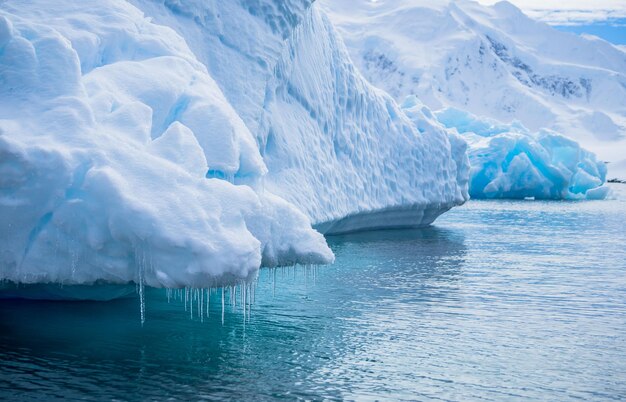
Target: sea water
498, 300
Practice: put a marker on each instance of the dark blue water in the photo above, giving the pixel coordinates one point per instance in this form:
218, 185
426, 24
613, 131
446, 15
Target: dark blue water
500, 300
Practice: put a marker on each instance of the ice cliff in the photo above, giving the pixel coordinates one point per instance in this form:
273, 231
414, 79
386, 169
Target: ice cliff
109, 125
188, 143
339, 149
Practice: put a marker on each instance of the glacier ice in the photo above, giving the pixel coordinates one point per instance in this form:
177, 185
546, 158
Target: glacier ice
509, 161
492, 61
185, 144
339, 149
108, 127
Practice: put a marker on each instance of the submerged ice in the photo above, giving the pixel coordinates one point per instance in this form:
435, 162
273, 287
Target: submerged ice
185, 145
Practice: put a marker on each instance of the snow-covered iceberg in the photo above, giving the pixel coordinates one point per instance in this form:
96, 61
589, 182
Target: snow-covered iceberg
109, 126
188, 143
510, 161
336, 147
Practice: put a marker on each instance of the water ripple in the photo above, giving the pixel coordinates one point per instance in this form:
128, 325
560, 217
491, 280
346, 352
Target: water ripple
500, 300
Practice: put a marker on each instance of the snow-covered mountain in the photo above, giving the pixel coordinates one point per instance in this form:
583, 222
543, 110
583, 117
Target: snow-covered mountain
492, 61
186, 143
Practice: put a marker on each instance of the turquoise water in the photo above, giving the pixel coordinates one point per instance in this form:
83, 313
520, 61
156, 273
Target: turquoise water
500, 300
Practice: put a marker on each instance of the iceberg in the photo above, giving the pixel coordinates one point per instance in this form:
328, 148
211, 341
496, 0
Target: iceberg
510, 161
109, 127
186, 144
339, 149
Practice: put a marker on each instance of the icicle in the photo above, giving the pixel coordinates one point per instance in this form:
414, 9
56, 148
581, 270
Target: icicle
250, 298
191, 303
142, 302
222, 306
73, 262
243, 302
140, 264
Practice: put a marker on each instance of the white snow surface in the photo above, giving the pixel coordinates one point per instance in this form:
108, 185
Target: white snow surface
493, 61
509, 161
188, 143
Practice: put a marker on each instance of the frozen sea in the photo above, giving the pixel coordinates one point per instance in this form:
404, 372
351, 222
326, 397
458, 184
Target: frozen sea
500, 300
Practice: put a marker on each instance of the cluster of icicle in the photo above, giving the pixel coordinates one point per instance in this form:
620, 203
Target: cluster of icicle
197, 301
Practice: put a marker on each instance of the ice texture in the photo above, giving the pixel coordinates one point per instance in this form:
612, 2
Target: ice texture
339, 149
510, 161
185, 144
492, 61
111, 132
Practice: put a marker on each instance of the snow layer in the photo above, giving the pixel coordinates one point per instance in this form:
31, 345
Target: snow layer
509, 161
492, 61
339, 149
109, 128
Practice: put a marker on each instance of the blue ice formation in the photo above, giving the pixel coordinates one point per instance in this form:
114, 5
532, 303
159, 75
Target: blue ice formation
509, 161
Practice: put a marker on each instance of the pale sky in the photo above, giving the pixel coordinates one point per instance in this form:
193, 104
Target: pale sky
570, 12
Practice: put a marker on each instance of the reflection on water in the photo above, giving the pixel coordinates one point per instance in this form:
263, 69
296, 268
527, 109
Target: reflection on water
500, 300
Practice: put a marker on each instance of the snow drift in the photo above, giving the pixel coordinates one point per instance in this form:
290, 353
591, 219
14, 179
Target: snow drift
492, 61
192, 146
